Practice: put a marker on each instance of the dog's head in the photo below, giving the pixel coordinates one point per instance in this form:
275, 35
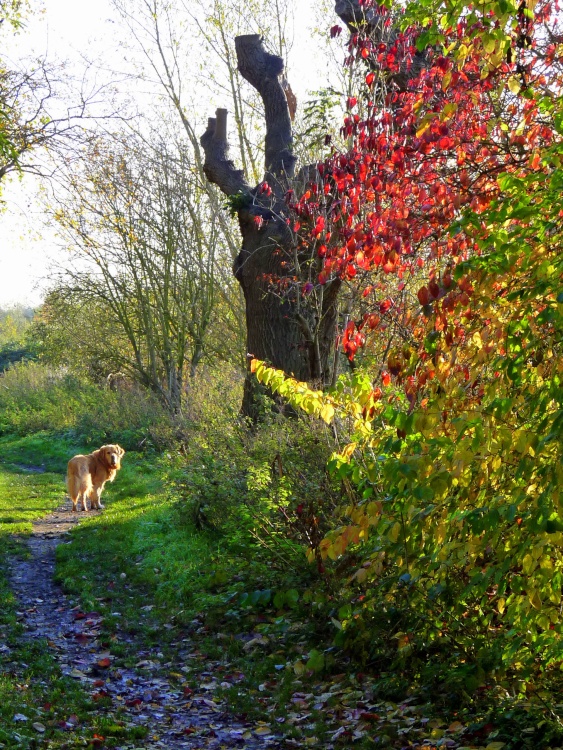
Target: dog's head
111, 455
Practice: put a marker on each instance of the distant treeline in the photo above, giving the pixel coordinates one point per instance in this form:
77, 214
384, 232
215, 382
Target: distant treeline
14, 343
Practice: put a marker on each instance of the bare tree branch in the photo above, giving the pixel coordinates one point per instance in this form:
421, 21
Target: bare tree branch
263, 70
218, 168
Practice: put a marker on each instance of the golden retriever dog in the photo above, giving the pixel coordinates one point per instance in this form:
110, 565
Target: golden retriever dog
87, 475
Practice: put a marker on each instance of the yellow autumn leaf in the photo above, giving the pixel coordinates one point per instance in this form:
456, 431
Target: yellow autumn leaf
514, 85
394, 532
349, 450
263, 730
424, 125
327, 413
534, 599
448, 111
528, 564
446, 80
489, 44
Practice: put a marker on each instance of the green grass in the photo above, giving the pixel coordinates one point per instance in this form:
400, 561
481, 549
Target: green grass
41, 449
25, 498
135, 550
31, 683
30, 483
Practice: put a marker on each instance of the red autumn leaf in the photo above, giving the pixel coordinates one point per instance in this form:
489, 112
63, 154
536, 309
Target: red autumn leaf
423, 295
104, 663
434, 289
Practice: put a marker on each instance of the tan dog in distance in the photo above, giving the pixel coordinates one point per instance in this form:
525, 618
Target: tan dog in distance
87, 475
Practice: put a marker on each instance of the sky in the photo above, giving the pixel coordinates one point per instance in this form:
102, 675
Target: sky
27, 247
65, 29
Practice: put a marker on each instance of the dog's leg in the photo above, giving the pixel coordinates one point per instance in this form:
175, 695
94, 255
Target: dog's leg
84, 506
96, 502
74, 501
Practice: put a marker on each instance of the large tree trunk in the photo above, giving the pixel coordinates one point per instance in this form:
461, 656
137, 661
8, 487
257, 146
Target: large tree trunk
291, 333
286, 327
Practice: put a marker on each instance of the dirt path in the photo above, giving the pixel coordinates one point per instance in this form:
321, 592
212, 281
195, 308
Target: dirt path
149, 695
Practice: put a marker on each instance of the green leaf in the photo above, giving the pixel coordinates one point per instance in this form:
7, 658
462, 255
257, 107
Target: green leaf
316, 661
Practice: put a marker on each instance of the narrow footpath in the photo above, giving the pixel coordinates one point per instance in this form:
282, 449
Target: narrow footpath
146, 695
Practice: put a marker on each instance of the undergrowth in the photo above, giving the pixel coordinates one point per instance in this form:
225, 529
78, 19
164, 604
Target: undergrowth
203, 538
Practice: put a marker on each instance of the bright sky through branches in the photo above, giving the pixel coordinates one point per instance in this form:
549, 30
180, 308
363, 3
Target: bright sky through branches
67, 30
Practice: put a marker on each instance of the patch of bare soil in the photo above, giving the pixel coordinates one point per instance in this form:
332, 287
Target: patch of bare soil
151, 695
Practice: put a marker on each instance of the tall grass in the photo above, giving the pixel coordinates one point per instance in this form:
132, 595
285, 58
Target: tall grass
35, 397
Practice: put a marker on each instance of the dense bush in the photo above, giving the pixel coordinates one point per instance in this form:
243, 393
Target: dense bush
266, 486
456, 533
14, 352
35, 397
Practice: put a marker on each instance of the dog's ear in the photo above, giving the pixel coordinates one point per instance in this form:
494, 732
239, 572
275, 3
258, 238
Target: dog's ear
120, 450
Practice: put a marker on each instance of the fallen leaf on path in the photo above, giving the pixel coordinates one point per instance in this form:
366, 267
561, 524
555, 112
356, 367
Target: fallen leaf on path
146, 664
260, 640
262, 730
77, 674
456, 727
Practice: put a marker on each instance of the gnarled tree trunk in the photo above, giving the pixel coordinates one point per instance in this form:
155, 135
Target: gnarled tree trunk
284, 327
